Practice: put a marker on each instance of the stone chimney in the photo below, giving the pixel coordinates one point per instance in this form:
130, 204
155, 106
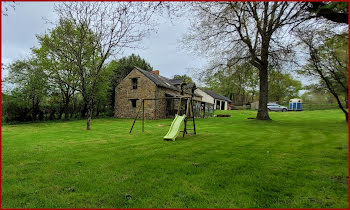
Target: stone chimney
155, 72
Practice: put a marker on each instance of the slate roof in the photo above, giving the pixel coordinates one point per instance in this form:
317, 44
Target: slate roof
215, 95
158, 80
176, 81
163, 81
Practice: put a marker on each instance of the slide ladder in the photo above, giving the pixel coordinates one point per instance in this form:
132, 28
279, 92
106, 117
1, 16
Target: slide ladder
177, 122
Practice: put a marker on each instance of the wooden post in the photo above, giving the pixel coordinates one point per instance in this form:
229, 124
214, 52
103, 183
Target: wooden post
143, 115
179, 107
143, 109
193, 121
137, 114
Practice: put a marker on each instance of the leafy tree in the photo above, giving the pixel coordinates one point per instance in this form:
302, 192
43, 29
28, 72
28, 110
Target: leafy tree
334, 11
123, 67
328, 62
30, 83
238, 82
186, 78
282, 86
15, 107
62, 74
100, 30
317, 94
245, 31
103, 91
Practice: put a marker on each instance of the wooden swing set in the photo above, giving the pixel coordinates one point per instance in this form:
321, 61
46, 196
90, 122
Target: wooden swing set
189, 113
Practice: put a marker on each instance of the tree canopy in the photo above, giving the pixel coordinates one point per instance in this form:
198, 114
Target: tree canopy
245, 31
122, 67
185, 77
328, 62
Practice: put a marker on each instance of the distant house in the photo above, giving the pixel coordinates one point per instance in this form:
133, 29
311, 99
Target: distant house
220, 102
140, 84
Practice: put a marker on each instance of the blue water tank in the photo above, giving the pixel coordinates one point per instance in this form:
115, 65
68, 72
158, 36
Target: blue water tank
295, 104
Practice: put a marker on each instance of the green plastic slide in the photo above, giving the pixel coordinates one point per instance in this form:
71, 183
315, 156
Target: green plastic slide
175, 127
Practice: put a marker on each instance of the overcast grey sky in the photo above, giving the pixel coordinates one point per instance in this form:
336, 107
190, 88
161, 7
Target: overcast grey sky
162, 49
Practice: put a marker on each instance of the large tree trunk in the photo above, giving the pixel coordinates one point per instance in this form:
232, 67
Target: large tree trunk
89, 114
263, 113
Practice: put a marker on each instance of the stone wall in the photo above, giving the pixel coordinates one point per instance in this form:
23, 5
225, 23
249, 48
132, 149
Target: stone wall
162, 103
154, 109
174, 103
124, 92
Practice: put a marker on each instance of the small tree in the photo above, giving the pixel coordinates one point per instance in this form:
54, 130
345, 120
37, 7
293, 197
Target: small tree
99, 30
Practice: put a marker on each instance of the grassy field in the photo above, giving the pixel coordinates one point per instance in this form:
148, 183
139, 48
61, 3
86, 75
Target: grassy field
299, 159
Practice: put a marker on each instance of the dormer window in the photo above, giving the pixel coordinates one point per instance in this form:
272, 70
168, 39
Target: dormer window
134, 83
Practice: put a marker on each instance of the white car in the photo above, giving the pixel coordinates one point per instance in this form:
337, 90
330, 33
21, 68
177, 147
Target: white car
276, 107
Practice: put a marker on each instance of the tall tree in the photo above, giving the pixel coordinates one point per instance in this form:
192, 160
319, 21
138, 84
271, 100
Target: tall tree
282, 86
328, 61
123, 67
238, 82
101, 30
252, 31
61, 72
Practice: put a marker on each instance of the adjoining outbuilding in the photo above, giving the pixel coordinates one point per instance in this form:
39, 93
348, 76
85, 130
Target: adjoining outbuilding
220, 102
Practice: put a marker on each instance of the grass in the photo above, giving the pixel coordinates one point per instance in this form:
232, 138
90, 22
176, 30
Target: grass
299, 159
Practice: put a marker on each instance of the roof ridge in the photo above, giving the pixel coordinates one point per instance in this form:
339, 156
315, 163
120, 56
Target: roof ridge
215, 95
157, 79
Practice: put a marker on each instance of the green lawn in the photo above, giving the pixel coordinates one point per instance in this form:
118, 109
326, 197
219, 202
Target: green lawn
300, 159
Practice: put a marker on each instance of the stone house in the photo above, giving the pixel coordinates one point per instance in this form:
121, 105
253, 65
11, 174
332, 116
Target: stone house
140, 84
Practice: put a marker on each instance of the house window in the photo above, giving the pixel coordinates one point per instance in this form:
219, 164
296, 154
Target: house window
133, 102
134, 83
